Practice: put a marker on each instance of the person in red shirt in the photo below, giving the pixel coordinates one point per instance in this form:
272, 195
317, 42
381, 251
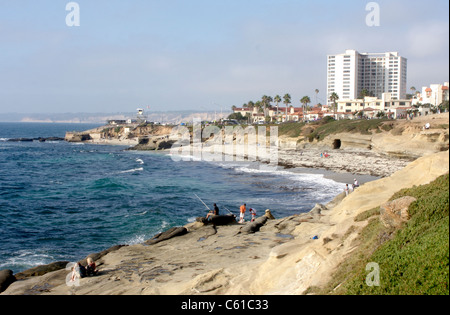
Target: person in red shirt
253, 213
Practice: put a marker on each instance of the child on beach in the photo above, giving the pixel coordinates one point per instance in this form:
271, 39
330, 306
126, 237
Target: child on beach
253, 213
346, 189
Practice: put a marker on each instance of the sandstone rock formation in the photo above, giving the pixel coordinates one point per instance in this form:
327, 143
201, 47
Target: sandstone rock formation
6, 278
395, 212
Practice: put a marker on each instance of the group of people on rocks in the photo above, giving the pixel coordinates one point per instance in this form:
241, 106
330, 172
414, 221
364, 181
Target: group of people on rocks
242, 211
79, 271
354, 186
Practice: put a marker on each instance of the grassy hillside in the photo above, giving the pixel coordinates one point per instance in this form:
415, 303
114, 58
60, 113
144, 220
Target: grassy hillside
413, 260
320, 129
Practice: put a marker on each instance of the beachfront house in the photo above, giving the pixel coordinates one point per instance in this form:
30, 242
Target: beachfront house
368, 107
435, 94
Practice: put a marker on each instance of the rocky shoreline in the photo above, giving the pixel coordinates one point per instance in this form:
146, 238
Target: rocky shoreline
284, 256
379, 154
280, 256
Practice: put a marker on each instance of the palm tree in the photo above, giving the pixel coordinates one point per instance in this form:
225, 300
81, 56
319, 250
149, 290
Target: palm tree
305, 101
363, 95
334, 97
287, 101
317, 93
277, 99
259, 106
264, 100
269, 101
413, 90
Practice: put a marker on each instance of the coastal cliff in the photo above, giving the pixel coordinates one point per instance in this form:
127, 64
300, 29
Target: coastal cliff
377, 147
285, 256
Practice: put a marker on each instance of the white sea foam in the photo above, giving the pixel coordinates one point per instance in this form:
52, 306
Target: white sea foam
132, 170
317, 185
136, 239
136, 214
27, 259
191, 219
164, 224
181, 157
140, 161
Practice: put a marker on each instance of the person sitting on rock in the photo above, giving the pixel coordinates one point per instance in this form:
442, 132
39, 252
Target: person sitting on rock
78, 272
91, 268
215, 211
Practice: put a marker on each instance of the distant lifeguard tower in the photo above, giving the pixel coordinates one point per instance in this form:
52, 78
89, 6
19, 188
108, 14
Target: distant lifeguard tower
141, 117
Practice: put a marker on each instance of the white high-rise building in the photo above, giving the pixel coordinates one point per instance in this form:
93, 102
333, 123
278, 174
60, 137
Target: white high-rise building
377, 73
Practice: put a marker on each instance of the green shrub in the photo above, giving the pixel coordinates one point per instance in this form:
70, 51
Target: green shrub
413, 260
337, 126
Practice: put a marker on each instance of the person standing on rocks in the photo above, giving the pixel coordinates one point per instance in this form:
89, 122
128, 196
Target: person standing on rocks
346, 189
355, 184
242, 211
253, 213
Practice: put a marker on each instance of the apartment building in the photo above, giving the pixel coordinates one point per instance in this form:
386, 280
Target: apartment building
370, 106
434, 94
350, 73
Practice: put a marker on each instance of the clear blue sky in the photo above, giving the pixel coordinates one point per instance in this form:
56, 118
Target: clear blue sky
200, 54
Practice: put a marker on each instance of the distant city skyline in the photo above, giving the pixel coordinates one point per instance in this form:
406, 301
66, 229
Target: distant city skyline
201, 54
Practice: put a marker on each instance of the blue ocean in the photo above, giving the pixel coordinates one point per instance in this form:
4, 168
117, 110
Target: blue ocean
63, 201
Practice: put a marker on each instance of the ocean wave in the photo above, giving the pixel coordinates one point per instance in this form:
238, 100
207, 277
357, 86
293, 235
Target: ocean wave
310, 186
164, 225
25, 259
191, 219
136, 239
180, 157
140, 161
136, 214
4, 139
132, 170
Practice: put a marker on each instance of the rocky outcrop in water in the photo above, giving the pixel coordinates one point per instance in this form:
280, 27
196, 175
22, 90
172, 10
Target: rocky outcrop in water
153, 143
